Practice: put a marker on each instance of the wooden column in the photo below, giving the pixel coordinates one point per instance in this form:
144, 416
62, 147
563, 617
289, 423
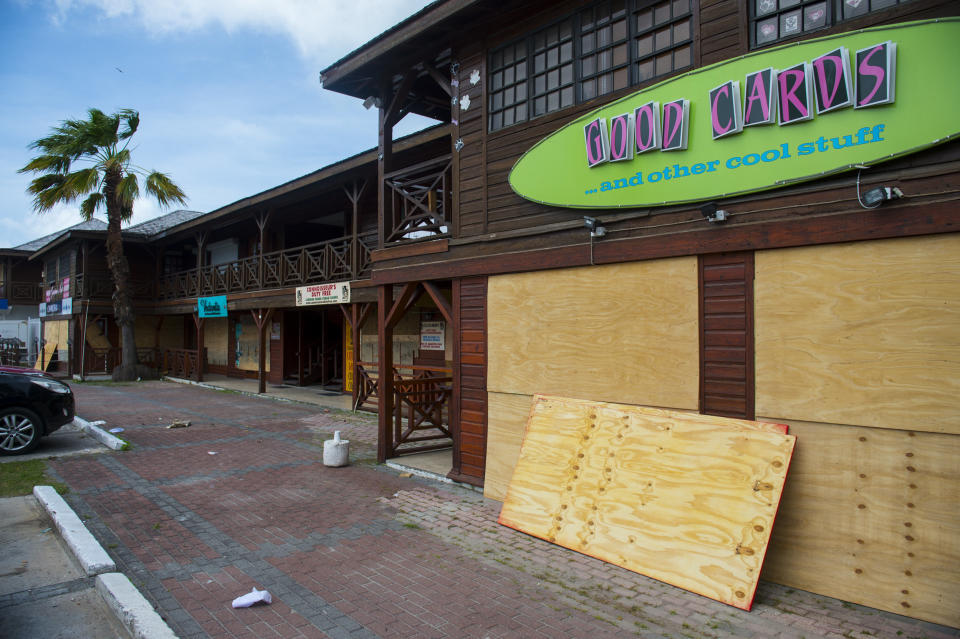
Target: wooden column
201, 239
385, 372
353, 194
261, 221
198, 321
300, 348
262, 318
384, 162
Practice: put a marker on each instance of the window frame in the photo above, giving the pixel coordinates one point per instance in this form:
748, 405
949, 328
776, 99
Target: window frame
833, 17
498, 89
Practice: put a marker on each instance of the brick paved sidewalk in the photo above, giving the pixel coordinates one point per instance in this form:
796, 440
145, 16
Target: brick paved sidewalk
198, 516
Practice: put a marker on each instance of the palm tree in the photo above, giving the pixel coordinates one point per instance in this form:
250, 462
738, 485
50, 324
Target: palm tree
107, 180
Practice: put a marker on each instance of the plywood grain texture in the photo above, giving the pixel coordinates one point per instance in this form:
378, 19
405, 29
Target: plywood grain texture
864, 334
871, 516
625, 333
507, 417
687, 499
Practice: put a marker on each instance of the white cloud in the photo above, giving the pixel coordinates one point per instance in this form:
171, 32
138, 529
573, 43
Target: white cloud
318, 28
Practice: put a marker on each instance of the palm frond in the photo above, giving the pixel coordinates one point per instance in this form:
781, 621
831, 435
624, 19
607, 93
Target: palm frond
47, 191
47, 164
128, 189
131, 118
81, 182
90, 205
160, 186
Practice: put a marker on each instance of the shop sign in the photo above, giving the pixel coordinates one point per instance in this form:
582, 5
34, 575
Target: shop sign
432, 336
42, 309
52, 308
765, 120
4, 304
66, 306
332, 293
215, 306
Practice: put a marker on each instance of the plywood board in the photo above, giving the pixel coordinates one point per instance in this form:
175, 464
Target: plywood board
506, 421
43, 362
624, 332
864, 334
686, 499
507, 417
871, 516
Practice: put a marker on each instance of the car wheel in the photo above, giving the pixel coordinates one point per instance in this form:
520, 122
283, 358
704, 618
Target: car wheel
20, 431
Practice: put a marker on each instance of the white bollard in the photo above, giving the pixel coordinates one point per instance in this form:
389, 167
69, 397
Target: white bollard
336, 451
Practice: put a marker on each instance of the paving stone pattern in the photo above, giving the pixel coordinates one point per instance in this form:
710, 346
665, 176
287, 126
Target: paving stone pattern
360, 551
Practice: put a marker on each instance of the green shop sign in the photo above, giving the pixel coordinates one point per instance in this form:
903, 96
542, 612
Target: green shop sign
768, 119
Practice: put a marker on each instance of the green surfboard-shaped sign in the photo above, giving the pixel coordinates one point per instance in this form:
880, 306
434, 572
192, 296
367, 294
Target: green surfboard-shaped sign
768, 119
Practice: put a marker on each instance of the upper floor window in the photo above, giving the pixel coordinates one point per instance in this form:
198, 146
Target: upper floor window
775, 20
603, 48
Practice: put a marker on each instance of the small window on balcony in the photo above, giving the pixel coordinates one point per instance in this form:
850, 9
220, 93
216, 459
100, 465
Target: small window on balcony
775, 20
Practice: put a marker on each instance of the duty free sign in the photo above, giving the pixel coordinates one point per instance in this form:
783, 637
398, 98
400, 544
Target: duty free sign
772, 118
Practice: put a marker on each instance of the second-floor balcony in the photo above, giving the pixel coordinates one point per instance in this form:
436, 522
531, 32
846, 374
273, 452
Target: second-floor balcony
21, 292
342, 259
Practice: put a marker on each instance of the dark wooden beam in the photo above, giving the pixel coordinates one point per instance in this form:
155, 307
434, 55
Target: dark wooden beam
849, 226
385, 374
442, 304
399, 308
262, 319
443, 82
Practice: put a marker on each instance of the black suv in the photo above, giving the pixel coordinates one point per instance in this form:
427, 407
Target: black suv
32, 404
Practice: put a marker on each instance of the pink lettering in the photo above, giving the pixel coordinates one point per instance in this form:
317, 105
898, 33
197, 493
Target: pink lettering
866, 69
719, 129
672, 121
757, 93
792, 107
829, 94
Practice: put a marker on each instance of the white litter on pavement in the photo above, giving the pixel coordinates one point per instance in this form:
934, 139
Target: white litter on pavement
252, 597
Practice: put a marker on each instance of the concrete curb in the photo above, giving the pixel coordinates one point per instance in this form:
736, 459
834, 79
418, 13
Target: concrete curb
91, 556
99, 434
131, 608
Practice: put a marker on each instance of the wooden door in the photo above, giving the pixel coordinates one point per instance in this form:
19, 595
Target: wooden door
726, 335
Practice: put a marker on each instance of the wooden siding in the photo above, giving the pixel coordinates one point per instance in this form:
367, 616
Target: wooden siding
726, 335
472, 375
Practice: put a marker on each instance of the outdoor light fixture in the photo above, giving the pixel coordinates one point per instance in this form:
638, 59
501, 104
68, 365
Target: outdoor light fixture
713, 214
877, 196
371, 101
593, 224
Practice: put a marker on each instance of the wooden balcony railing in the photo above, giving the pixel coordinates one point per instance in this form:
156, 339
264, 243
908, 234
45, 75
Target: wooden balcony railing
421, 406
419, 201
104, 360
99, 285
340, 259
22, 292
181, 362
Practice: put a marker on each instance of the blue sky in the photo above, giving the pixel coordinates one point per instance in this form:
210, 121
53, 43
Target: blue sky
228, 91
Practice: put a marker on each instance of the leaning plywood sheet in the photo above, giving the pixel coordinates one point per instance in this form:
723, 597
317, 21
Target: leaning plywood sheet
687, 499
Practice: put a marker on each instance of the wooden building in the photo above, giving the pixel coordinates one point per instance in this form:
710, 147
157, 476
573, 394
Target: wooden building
801, 304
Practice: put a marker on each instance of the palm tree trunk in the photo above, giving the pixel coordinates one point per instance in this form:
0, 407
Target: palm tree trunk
120, 270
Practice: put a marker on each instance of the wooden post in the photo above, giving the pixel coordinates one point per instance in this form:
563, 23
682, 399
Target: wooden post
385, 373
201, 239
384, 161
263, 321
262, 220
353, 194
199, 323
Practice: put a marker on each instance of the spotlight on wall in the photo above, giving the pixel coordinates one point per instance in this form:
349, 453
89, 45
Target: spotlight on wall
877, 196
593, 224
371, 101
713, 214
